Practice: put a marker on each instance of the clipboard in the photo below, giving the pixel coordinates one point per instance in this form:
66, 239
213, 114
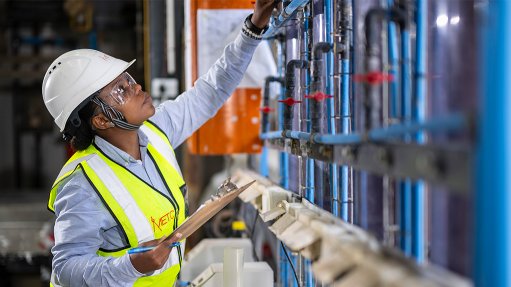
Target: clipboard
227, 193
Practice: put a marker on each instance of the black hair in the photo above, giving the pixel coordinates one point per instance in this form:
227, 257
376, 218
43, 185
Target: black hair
79, 132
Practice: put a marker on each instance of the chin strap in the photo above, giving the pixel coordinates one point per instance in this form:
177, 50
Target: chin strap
114, 115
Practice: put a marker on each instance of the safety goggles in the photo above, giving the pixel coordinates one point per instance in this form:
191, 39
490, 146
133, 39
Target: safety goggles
123, 88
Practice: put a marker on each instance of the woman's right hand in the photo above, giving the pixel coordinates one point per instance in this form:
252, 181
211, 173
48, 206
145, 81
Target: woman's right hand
154, 259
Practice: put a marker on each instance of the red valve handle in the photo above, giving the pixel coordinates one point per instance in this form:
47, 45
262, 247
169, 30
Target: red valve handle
373, 78
319, 96
266, 110
290, 101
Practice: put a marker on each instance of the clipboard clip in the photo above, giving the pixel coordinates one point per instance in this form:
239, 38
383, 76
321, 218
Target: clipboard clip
226, 187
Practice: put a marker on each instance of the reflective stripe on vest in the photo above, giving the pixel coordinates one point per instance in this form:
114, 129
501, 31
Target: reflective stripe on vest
161, 143
142, 212
121, 196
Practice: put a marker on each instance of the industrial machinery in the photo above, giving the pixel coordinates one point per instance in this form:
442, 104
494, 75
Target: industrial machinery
380, 119
377, 132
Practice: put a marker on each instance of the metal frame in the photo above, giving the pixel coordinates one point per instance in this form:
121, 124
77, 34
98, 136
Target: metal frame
450, 166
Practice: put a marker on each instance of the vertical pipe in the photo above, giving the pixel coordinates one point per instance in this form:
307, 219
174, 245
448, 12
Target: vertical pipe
283, 157
263, 162
418, 192
372, 95
393, 64
345, 33
319, 118
330, 105
405, 220
307, 41
352, 59
406, 113
394, 104
345, 114
406, 97
265, 123
399, 109
290, 90
309, 182
303, 263
492, 197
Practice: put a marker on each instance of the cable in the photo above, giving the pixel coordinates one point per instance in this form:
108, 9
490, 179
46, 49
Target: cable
254, 252
290, 263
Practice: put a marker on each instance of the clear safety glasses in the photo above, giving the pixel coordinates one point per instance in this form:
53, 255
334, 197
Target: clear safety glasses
123, 88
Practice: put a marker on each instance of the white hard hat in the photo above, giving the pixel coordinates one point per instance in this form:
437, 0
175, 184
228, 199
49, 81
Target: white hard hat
74, 76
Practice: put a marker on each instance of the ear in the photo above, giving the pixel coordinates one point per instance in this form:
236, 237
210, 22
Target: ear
101, 122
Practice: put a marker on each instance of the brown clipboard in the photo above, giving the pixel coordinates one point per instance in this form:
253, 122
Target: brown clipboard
206, 211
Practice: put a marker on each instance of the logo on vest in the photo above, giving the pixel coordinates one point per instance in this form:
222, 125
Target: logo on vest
163, 220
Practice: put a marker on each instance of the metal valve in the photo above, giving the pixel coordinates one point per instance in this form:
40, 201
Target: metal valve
290, 101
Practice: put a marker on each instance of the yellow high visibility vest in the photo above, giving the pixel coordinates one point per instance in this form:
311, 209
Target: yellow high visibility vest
142, 212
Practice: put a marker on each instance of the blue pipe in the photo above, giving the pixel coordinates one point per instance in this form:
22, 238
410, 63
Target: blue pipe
393, 62
271, 135
406, 100
352, 57
284, 16
309, 168
309, 181
406, 113
492, 197
454, 122
395, 112
292, 7
334, 173
298, 135
345, 114
346, 18
283, 157
419, 115
405, 222
406, 97
337, 139
263, 162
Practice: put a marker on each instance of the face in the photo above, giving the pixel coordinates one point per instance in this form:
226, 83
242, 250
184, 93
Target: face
126, 96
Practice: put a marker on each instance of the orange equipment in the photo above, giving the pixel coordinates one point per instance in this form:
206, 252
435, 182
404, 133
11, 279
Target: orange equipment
235, 129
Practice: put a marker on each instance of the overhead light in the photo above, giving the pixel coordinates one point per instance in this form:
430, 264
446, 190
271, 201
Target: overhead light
455, 20
442, 20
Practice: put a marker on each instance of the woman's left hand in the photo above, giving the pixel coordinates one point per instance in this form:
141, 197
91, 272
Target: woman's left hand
262, 12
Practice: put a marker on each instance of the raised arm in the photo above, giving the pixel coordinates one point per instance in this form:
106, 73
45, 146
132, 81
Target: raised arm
181, 117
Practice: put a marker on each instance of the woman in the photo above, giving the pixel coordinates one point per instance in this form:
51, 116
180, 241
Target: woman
123, 187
